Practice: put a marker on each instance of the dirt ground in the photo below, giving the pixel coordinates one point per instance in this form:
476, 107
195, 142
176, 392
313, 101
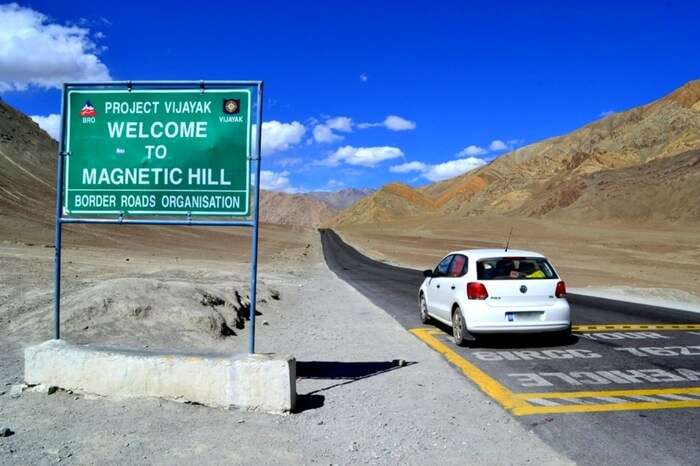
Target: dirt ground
356, 404
663, 257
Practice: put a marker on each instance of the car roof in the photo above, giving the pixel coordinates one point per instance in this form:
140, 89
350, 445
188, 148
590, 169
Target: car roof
487, 253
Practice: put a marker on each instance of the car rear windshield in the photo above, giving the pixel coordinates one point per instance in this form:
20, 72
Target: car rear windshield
514, 268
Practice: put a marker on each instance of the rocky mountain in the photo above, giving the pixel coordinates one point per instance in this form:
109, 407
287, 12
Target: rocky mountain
666, 127
638, 165
27, 173
294, 209
341, 199
664, 189
393, 201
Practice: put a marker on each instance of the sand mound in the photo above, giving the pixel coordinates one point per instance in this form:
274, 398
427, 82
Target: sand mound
146, 309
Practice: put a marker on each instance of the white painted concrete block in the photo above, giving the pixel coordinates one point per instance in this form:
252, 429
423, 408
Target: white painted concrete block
264, 382
258, 382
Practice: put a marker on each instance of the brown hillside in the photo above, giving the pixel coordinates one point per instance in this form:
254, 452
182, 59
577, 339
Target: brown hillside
393, 201
463, 188
663, 189
664, 128
294, 209
27, 173
341, 199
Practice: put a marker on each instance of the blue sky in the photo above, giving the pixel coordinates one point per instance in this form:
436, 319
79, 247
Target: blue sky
453, 77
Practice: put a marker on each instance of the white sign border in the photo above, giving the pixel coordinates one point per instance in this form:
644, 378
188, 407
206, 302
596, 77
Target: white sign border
66, 172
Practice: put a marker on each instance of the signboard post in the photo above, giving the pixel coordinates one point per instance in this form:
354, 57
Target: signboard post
132, 152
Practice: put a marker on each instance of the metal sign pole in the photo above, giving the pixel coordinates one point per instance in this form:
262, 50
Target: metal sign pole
57, 235
256, 221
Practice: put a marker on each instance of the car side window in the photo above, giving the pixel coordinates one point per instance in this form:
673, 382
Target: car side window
443, 267
458, 266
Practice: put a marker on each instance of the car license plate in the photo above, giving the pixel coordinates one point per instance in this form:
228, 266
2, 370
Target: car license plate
510, 316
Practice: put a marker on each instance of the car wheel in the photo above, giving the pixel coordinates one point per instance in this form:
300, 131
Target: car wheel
563, 335
459, 328
424, 316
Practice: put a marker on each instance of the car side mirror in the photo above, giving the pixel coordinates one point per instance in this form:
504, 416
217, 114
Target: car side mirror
427, 273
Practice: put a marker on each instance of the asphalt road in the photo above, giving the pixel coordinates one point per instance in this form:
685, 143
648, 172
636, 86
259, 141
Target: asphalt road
625, 389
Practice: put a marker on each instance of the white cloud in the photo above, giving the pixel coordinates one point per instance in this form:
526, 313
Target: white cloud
396, 123
326, 132
36, 52
497, 145
471, 151
287, 162
334, 184
50, 123
278, 136
607, 113
340, 123
440, 171
276, 181
364, 77
391, 122
409, 167
443, 171
363, 156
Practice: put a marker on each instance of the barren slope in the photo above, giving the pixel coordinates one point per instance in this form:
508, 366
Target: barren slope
391, 202
27, 164
294, 209
664, 128
664, 189
341, 199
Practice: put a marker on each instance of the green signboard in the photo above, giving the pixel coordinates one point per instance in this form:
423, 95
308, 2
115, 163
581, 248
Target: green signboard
157, 152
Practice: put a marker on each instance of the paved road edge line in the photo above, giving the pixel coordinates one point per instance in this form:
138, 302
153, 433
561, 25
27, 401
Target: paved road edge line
486, 383
594, 328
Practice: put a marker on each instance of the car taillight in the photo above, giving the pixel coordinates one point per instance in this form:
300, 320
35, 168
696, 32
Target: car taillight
476, 290
560, 292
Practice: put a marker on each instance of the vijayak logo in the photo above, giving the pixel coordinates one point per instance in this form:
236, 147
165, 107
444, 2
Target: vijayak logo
88, 112
232, 106
232, 109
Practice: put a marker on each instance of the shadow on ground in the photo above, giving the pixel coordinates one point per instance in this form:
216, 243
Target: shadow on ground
348, 372
513, 340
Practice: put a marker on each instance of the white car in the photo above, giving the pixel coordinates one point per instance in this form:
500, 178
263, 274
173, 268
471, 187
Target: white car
481, 291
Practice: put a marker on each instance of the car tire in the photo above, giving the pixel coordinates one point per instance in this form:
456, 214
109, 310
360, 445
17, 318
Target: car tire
459, 327
423, 308
563, 335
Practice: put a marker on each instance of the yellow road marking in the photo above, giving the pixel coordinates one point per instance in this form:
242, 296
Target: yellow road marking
517, 402
598, 408
632, 327
486, 383
597, 393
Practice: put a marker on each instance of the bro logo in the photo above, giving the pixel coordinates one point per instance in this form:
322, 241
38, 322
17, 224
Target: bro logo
88, 112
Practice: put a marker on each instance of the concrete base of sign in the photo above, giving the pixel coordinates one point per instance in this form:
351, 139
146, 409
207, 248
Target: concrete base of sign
264, 382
